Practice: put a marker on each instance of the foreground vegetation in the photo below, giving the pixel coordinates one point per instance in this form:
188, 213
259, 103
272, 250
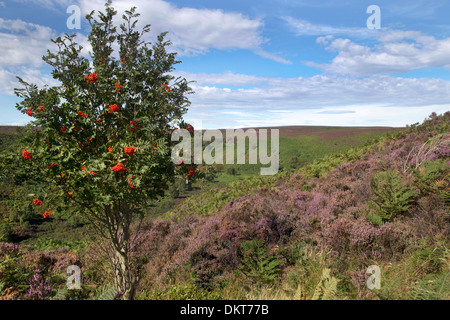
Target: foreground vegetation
309, 232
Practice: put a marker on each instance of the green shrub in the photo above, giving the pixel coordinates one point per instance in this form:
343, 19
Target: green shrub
5, 231
14, 275
210, 173
257, 262
177, 188
431, 258
44, 244
26, 215
231, 171
392, 197
180, 292
105, 292
430, 176
75, 221
326, 289
294, 162
432, 287
446, 197
374, 219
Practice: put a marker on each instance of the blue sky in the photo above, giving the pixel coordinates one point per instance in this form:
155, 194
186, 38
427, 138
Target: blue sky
265, 63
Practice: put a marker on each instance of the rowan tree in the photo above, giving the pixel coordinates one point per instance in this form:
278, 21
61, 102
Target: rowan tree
101, 138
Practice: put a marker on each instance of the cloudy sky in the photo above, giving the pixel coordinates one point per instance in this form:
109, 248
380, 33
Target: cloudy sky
265, 63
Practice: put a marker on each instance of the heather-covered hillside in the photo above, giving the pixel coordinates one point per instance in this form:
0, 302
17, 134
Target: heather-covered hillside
385, 204
308, 234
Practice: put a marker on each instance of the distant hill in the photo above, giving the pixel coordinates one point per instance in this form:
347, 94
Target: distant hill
287, 131
8, 129
325, 132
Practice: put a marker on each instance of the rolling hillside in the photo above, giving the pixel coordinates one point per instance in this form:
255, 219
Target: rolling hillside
346, 199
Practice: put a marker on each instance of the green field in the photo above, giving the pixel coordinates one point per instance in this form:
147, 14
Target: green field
300, 148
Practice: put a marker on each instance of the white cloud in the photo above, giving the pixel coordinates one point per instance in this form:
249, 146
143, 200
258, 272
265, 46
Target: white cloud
397, 52
8, 80
195, 31
394, 51
192, 31
370, 115
271, 56
226, 78
23, 43
322, 99
320, 90
303, 27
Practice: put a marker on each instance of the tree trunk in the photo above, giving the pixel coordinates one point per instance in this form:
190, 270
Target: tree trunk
124, 278
119, 229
